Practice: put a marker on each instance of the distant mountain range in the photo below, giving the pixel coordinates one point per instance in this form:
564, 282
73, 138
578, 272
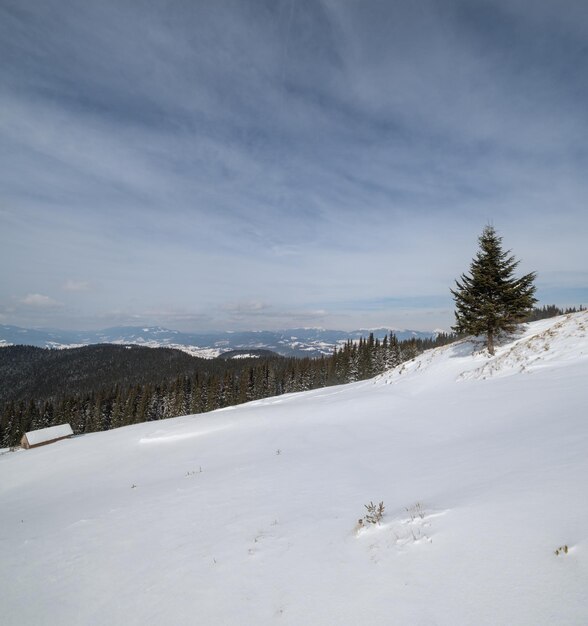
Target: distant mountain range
291, 342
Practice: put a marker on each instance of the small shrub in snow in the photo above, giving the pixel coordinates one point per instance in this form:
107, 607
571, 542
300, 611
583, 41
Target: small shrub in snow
416, 510
374, 514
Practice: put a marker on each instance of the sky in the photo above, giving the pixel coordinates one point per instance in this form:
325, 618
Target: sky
266, 164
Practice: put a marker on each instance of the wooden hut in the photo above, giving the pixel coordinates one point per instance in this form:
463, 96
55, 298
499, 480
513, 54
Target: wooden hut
43, 436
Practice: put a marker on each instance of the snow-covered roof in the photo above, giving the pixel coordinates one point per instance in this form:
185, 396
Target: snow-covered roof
48, 434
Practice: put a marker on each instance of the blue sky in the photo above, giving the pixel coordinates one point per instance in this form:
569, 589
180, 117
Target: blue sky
268, 164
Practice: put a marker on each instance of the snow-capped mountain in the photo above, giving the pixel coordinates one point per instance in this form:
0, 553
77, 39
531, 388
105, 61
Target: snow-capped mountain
249, 515
290, 342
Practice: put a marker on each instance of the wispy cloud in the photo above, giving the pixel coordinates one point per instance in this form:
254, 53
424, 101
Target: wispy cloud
39, 300
316, 156
75, 285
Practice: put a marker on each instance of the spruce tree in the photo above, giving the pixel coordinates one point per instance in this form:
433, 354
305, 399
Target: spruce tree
490, 300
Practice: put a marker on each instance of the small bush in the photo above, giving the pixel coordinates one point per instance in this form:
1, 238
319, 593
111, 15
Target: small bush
416, 510
374, 513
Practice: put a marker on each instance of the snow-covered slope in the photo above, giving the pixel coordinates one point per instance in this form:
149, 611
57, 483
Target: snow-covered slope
249, 515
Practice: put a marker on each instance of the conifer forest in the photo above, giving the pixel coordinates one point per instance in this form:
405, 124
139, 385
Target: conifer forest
109, 386
196, 386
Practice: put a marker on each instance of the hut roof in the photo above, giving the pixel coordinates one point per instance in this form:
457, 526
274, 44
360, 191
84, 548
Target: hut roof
35, 437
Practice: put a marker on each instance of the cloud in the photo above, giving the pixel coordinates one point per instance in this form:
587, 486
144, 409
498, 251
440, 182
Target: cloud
40, 301
256, 315
245, 308
289, 157
75, 285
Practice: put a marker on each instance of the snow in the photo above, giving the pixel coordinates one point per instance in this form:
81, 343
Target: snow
203, 353
248, 515
35, 437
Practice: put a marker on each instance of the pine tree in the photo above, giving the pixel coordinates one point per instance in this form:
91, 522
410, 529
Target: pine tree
353, 372
394, 353
490, 300
46, 418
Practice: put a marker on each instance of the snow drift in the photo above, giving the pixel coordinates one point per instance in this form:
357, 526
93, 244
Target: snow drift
249, 515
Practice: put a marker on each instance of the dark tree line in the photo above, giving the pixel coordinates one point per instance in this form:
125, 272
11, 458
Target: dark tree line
550, 310
109, 401
30, 372
219, 384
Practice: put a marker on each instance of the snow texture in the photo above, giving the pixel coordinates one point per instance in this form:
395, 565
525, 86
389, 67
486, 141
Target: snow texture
249, 515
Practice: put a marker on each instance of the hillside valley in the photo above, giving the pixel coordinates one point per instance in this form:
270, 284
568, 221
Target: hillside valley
293, 342
249, 514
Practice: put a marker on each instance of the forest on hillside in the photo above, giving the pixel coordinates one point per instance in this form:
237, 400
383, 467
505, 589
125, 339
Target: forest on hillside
106, 386
102, 387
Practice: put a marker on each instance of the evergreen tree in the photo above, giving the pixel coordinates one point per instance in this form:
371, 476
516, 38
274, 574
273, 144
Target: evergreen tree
9, 426
490, 300
353, 368
117, 417
46, 419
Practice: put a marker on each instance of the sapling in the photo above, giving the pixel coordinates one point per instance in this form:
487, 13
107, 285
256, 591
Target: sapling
374, 513
415, 511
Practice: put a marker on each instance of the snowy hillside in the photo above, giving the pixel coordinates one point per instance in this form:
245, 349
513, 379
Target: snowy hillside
248, 515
